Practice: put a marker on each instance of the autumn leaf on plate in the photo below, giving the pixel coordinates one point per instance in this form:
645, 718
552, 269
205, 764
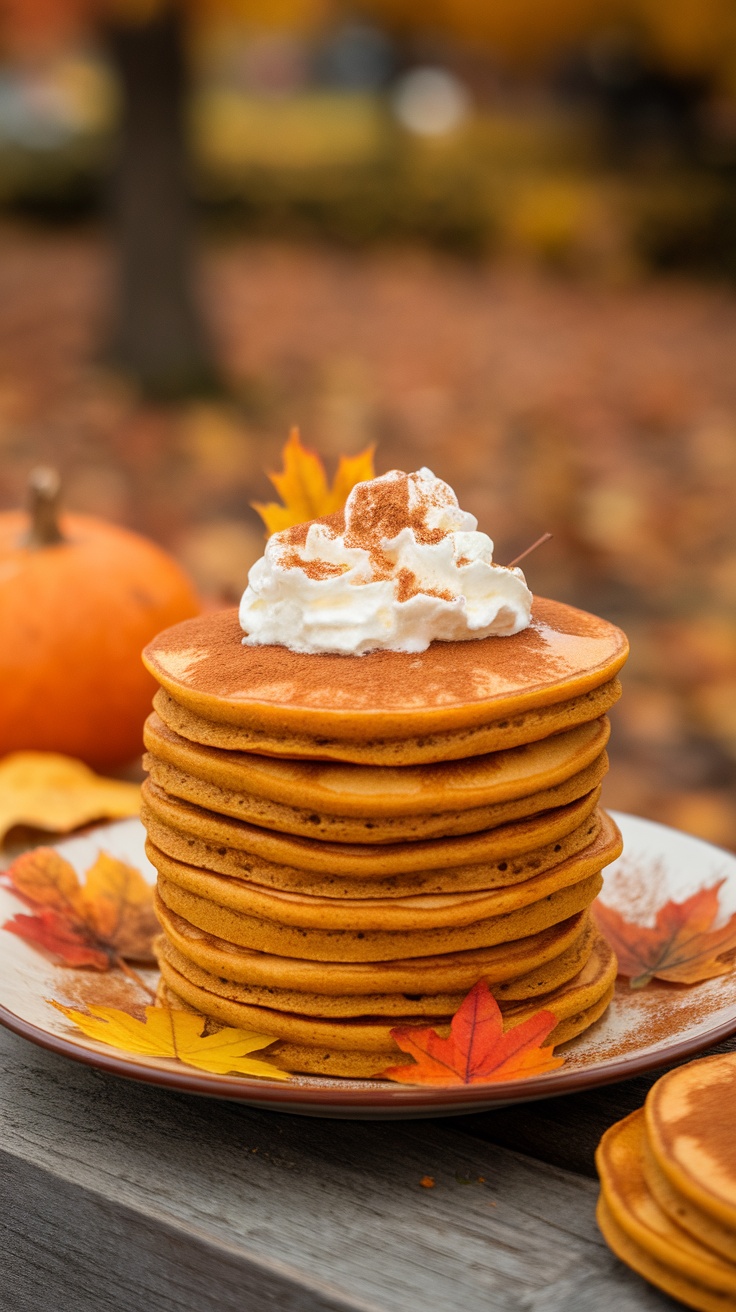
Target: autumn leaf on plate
303, 488
108, 919
681, 947
176, 1034
476, 1051
47, 791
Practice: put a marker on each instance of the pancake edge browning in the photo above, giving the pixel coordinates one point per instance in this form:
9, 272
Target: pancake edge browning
281, 819
361, 859
240, 865
443, 972
392, 792
545, 979
431, 748
375, 945
639, 1260
412, 914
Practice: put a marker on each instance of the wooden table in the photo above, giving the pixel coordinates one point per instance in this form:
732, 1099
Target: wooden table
119, 1197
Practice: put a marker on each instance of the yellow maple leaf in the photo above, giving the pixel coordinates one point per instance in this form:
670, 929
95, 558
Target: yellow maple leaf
177, 1035
58, 793
303, 488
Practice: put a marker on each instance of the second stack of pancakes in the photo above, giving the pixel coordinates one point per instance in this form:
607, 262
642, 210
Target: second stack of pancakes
327, 890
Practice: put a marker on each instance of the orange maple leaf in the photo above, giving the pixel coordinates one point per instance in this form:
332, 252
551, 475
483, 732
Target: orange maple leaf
681, 946
101, 923
303, 488
476, 1051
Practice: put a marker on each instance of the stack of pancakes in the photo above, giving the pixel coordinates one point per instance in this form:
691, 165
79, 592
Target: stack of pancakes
668, 1185
347, 844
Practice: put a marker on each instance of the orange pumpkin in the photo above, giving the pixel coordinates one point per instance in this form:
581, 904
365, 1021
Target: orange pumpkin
79, 599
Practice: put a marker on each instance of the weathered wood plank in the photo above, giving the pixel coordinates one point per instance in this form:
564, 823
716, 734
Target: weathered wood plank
119, 1195
566, 1131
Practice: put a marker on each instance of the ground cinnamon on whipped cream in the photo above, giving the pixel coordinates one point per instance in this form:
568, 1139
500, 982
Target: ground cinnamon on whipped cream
400, 567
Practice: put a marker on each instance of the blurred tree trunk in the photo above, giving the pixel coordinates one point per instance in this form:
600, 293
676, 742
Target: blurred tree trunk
158, 336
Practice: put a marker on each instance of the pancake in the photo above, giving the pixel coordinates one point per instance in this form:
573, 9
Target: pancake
560, 970
691, 1140
434, 911
425, 749
331, 828
367, 792
375, 945
360, 859
563, 654
635, 1211
240, 865
370, 1033
702, 1227
657, 1273
448, 971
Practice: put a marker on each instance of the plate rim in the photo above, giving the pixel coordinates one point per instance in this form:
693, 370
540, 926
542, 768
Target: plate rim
392, 1097
281, 1094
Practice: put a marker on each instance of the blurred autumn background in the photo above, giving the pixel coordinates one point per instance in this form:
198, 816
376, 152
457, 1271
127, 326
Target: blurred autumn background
499, 240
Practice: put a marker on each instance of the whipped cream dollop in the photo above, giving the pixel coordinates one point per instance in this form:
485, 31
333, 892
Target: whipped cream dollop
401, 567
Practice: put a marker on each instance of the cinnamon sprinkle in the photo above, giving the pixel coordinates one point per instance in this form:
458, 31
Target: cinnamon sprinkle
314, 569
408, 585
380, 510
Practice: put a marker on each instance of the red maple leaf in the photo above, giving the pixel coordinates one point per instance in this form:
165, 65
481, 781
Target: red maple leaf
476, 1051
681, 946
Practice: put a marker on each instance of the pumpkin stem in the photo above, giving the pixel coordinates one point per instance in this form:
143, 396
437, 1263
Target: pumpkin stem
44, 486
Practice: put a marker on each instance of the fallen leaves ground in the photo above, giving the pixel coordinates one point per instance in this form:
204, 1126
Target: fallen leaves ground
606, 415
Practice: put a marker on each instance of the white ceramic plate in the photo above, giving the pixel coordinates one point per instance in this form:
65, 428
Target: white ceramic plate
640, 1031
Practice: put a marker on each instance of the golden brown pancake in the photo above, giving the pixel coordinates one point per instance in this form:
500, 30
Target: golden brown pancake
702, 1227
450, 745
370, 1033
691, 1139
204, 666
242, 865
657, 1273
337, 829
360, 859
375, 945
366, 792
649, 1229
445, 972
448, 910
545, 979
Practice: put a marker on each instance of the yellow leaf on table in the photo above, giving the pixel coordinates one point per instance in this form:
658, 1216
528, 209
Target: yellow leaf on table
303, 488
47, 791
176, 1035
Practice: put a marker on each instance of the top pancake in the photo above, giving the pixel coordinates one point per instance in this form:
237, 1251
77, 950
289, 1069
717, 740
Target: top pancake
204, 666
692, 1136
